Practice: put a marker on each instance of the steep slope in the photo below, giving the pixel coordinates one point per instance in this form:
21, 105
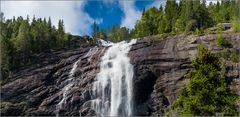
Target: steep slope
159, 70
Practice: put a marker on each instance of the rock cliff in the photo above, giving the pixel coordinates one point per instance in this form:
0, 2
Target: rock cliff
160, 66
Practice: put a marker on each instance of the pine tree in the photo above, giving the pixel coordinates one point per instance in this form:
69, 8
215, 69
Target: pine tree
208, 92
95, 30
102, 34
23, 41
171, 14
61, 36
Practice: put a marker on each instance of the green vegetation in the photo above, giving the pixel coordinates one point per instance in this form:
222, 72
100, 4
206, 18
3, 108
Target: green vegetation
115, 34
230, 55
234, 57
21, 40
236, 24
221, 41
187, 16
21, 104
208, 92
161, 36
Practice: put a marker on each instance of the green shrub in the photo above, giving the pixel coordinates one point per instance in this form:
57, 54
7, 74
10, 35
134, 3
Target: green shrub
208, 31
161, 36
230, 55
234, 57
191, 25
198, 32
3, 104
225, 53
221, 41
219, 28
208, 92
179, 26
236, 25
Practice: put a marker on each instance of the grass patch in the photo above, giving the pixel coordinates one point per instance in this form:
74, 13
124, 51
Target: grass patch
21, 104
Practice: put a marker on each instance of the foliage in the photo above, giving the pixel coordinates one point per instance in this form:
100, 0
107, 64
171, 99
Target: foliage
115, 34
21, 104
20, 40
119, 34
234, 57
207, 92
179, 26
230, 55
161, 36
95, 30
236, 24
186, 16
148, 25
221, 41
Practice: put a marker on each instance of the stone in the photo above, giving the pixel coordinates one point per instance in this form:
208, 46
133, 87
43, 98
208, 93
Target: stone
160, 67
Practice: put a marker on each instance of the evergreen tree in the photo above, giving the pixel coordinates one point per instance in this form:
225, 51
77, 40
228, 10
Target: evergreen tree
208, 91
148, 25
20, 40
95, 30
23, 41
102, 34
61, 36
171, 14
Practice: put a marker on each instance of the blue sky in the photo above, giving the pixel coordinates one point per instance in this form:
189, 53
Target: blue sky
79, 16
111, 13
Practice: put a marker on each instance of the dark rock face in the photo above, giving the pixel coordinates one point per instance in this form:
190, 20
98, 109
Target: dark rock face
160, 67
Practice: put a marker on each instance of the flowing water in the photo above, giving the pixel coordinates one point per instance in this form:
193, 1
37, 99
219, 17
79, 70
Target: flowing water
70, 80
112, 89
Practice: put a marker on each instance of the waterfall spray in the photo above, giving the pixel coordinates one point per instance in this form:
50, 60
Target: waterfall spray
113, 86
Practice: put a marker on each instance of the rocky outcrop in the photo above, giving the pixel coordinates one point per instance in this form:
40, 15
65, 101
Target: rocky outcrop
160, 67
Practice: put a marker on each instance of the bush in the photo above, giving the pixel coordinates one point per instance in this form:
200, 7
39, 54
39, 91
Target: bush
234, 57
236, 25
230, 55
191, 25
161, 36
208, 92
179, 26
208, 31
221, 41
219, 28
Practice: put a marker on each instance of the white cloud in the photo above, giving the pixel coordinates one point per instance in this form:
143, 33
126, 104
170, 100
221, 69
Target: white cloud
131, 13
213, 1
157, 4
76, 20
99, 20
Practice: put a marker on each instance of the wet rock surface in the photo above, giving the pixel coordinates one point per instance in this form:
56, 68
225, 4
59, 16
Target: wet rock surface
160, 67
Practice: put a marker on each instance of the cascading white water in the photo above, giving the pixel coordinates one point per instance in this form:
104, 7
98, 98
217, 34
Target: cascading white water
113, 86
70, 79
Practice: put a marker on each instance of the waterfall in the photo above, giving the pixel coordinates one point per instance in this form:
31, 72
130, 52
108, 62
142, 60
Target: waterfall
112, 90
70, 80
